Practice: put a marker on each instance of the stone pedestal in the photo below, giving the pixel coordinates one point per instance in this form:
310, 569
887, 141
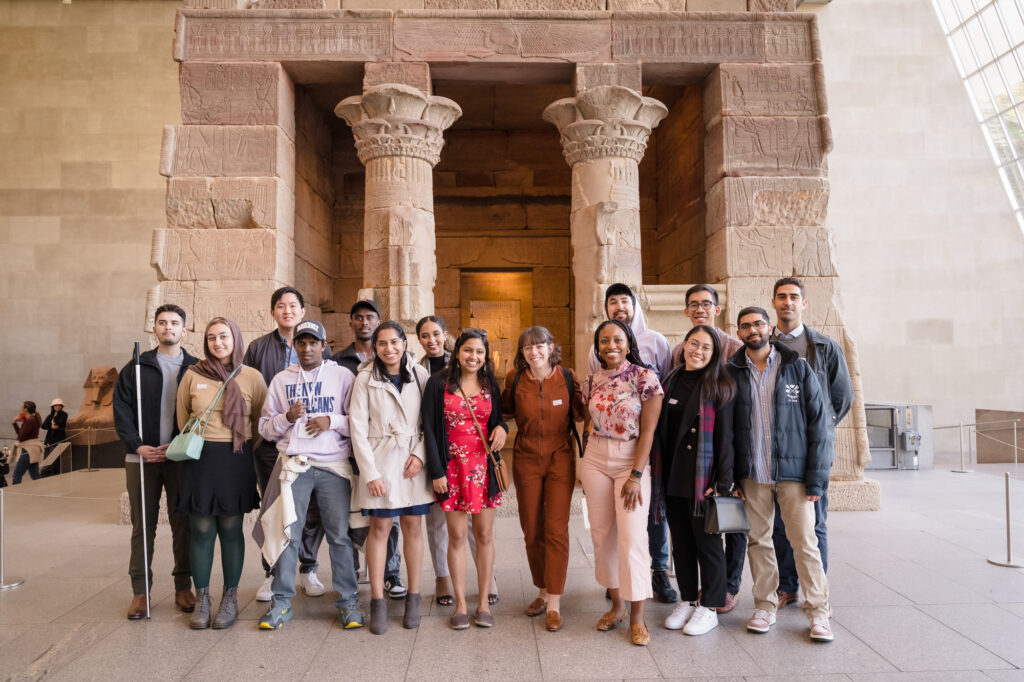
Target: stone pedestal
398, 130
604, 131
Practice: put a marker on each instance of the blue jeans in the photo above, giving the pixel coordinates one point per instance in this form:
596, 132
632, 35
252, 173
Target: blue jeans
333, 495
788, 581
22, 466
735, 554
657, 542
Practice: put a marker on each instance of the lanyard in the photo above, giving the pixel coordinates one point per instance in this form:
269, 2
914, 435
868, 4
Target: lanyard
302, 377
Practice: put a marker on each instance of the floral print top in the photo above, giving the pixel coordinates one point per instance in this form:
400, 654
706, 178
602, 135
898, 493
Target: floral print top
615, 398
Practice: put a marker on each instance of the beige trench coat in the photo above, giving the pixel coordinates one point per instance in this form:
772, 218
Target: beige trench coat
385, 429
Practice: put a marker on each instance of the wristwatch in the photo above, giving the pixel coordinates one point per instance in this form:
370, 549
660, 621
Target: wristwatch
637, 474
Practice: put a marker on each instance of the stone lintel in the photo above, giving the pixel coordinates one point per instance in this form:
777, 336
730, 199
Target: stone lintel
230, 203
235, 151
764, 90
738, 146
503, 36
554, 5
714, 37
413, 74
589, 76
246, 93
761, 201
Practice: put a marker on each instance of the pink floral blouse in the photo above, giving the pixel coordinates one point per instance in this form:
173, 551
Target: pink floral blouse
615, 398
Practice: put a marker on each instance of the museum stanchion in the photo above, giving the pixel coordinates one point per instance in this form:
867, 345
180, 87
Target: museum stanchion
7, 582
1009, 561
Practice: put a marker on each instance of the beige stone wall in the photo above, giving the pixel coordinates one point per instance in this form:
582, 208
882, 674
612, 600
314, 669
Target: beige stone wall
85, 90
929, 253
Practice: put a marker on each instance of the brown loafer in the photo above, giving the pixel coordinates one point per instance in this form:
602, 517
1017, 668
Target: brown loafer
785, 597
483, 619
554, 623
137, 609
185, 600
639, 635
609, 620
731, 600
459, 621
537, 607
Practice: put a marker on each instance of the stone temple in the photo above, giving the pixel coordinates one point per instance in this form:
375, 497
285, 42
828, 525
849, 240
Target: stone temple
501, 163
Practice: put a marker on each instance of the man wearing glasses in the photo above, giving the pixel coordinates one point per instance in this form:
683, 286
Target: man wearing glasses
783, 450
829, 365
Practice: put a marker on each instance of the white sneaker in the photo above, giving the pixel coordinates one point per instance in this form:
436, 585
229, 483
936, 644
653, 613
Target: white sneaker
680, 615
702, 621
311, 585
266, 592
821, 631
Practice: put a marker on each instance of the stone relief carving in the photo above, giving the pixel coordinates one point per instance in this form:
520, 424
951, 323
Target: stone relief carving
214, 254
235, 94
813, 252
700, 41
771, 5
227, 150
770, 146
765, 90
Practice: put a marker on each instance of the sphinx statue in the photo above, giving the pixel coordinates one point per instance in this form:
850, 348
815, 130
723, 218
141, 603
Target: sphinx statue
94, 423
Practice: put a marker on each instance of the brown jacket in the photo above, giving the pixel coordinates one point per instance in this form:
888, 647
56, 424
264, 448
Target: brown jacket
542, 413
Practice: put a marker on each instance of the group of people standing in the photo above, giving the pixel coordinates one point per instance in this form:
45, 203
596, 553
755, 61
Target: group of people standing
29, 450
355, 446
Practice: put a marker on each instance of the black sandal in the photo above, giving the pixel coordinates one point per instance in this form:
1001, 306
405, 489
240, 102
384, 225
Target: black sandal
492, 598
444, 600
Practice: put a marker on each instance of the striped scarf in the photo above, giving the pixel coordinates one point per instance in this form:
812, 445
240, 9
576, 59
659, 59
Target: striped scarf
705, 451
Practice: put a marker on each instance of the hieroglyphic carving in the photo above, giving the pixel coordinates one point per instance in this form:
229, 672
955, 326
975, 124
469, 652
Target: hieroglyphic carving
182, 294
554, 5
786, 40
813, 252
672, 38
646, 5
748, 252
214, 254
767, 201
764, 90
229, 203
189, 205
399, 226
748, 145
617, 227
501, 38
213, 151
413, 74
460, 4
287, 4
215, 4
246, 302
237, 94
327, 36
592, 75
771, 5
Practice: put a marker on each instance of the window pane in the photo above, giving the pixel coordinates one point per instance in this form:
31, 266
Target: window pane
1014, 79
977, 36
1014, 183
1012, 20
982, 101
947, 11
990, 21
1020, 220
998, 141
965, 8
996, 86
963, 52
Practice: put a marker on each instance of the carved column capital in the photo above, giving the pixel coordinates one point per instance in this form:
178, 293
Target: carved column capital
605, 121
398, 120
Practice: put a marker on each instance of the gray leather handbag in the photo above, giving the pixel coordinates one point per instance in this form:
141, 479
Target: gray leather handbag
725, 514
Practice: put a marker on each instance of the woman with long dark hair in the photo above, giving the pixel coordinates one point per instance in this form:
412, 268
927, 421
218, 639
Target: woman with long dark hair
623, 400
459, 404
219, 488
692, 461
544, 398
384, 422
28, 443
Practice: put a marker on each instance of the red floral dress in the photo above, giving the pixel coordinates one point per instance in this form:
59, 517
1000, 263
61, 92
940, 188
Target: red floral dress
467, 458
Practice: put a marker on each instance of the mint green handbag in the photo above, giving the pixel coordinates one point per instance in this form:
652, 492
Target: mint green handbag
189, 443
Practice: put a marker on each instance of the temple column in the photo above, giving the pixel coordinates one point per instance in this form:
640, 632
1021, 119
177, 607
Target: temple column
604, 132
398, 130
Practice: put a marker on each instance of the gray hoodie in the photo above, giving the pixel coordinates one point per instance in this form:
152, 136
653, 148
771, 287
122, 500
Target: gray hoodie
654, 348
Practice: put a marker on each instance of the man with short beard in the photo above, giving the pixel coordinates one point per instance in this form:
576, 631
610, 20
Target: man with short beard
781, 439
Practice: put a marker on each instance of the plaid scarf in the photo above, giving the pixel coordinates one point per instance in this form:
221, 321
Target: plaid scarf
705, 453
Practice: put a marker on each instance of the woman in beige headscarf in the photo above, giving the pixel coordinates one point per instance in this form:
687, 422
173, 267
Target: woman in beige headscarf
219, 488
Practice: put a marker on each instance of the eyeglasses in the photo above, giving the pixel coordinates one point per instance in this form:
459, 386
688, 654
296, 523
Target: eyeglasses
695, 346
694, 305
759, 325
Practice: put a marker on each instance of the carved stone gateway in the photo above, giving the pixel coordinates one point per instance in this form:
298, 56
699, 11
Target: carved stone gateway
251, 202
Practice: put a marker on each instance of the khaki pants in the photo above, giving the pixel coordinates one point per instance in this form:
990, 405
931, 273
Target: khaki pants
798, 515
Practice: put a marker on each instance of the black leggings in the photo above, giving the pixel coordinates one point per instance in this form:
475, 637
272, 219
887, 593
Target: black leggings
205, 530
692, 547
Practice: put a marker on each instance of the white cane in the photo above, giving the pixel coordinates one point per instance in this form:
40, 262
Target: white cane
142, 475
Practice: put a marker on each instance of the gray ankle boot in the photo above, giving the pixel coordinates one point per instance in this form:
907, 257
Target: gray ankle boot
378, 616
411, 619
227, 614
200, 619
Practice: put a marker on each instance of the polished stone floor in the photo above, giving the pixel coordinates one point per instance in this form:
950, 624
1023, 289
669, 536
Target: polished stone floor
913, 595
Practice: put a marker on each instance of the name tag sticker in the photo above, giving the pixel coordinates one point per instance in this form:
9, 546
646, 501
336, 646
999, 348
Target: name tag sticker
672, 401
200, 386
556, 403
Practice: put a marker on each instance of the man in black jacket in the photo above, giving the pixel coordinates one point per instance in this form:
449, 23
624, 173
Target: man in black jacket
829, 365
161, 371
270, 354
782, 444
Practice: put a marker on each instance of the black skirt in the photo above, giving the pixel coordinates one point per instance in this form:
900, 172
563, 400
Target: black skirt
220, 482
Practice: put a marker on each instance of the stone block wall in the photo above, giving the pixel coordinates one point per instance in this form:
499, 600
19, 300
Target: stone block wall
85, 91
